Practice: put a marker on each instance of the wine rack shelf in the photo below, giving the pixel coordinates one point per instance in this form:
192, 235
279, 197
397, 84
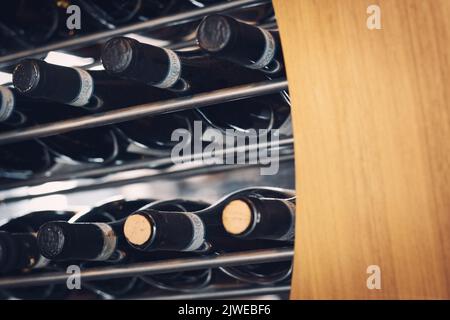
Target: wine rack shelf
150, 268
223, 292
149, 25
81, 179
9, 192
149, 109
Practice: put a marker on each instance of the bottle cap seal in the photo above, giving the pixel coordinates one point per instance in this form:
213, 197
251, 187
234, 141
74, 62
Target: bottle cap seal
137, 229
237, 217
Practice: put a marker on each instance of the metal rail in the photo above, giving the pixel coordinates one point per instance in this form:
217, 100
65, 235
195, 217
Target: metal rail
149, 109
195, 160
157, 267
181, 173
223, 292
149, 25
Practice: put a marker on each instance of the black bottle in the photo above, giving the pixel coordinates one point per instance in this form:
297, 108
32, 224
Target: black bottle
250, 46
37, 22
184, 72
258, 215
262, 217
157, 8
20, 254
186, 281
96, 91
97, 145
187, 73
23, 159
203, 231
18, 251
93, 239
33, 22
151, 229
94, 235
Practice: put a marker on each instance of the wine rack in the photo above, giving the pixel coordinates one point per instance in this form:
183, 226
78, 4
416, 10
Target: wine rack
150, 109
179, 179
147, 26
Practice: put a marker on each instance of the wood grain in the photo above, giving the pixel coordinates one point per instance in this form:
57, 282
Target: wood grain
372, 141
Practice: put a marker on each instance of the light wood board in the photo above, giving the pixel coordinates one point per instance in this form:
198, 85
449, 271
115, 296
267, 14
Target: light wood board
371, 113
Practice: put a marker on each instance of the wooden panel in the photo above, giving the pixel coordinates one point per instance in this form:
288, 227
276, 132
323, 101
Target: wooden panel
372, 137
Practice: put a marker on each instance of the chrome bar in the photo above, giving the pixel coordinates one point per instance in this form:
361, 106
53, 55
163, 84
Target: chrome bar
223, 292
179, 173
158, 267
149, 109
145, 164
153, 24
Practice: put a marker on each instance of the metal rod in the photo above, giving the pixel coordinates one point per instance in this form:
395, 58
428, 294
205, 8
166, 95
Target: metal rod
176, 174
157, 267
149, 25
145, 164
149, 109
223, 292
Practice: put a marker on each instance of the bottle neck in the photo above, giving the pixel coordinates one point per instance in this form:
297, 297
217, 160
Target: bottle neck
39, 79
151, 230
78, 241
19, 251
244, 44
257, 217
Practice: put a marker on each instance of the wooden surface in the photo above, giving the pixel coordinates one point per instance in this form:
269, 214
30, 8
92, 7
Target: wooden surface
372, 137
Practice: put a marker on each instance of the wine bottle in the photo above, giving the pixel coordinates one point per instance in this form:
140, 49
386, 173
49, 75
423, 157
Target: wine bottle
93, 239
186, 73
96, 91
186, 281
32, 23
23, 159
97, 145
35, 22
250, 46
250, 115
94, 236
107, 14
150, 229
157, 8
61, 240
20, 253
104, 242
203, 231
24, 231
255, 216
